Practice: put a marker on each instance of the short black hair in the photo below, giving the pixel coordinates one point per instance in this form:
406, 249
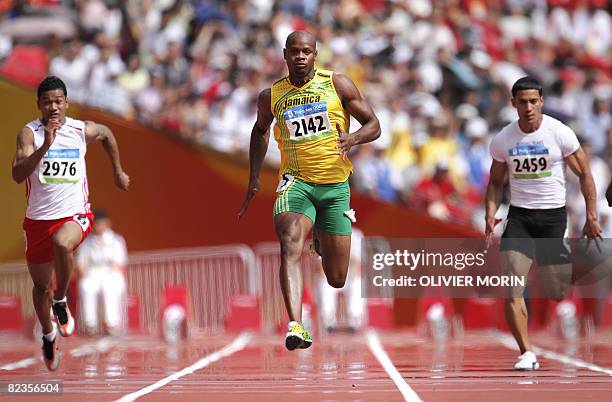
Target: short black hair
526, 83
51, 83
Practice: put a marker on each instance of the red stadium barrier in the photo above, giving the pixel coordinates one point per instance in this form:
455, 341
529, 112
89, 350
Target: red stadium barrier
426, 302
606, 318
480, 313
133, 314
244, 314
10, 311
380, 313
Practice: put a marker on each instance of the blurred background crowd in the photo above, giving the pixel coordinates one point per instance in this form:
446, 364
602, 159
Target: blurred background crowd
437, 73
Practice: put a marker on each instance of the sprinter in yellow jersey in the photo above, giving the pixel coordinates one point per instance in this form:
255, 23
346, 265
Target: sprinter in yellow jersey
312, 110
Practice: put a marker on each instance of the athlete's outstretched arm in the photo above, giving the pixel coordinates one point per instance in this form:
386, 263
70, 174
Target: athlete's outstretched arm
357, 106
99, 132
579, 163
260, 135
26, 157
493, 196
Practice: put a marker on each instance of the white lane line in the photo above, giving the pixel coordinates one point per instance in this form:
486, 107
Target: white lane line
378, 351
508, 341
20, 364
99, 346
238, 344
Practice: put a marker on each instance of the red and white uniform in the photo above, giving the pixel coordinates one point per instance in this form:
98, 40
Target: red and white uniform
58, 186
57, 190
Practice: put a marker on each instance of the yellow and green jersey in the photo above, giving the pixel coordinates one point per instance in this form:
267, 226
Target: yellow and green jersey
306, 132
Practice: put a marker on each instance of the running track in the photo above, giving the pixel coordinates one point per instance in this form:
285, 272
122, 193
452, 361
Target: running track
371, 366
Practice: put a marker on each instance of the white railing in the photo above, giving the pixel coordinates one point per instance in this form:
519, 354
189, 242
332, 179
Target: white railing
15, 281
210, 275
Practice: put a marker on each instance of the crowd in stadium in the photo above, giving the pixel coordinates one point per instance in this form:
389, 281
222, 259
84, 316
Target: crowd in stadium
437, 73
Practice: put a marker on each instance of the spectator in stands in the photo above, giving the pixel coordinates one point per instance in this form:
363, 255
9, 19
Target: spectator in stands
135, 78
101, 262
221, 133
6, 45
436, 194
607, 152
108, 65
596, 123
114, 98
373, 173
175, 66
74, 70
476, 152
149, 101
443, 146
194, 116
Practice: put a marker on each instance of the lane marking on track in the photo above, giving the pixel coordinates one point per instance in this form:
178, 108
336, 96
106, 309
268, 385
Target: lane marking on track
99, 346
508, 341
20, 364
237, 344
378, 351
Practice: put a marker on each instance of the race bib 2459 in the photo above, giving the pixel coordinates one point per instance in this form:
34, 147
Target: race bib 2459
530, 161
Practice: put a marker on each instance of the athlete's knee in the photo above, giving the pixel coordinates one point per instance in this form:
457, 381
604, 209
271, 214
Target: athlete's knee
291, 245
41, 289
556, 280
62, 244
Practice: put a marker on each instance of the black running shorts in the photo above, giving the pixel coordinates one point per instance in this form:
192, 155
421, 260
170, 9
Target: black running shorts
537, 233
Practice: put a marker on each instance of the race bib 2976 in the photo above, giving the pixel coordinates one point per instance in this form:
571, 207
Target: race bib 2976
60, 166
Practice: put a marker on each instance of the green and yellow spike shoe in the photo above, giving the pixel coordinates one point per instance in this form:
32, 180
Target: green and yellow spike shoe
297, 337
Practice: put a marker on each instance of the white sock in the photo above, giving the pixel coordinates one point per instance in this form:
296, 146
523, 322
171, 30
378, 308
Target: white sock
292, 323
59, 301
50, 336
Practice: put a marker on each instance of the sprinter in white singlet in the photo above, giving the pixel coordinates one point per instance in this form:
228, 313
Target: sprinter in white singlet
534, 151
50, 158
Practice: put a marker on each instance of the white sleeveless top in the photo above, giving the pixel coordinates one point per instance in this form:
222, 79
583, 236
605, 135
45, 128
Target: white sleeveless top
58, 186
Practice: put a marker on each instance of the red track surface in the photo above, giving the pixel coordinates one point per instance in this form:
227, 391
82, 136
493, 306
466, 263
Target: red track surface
336, 368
